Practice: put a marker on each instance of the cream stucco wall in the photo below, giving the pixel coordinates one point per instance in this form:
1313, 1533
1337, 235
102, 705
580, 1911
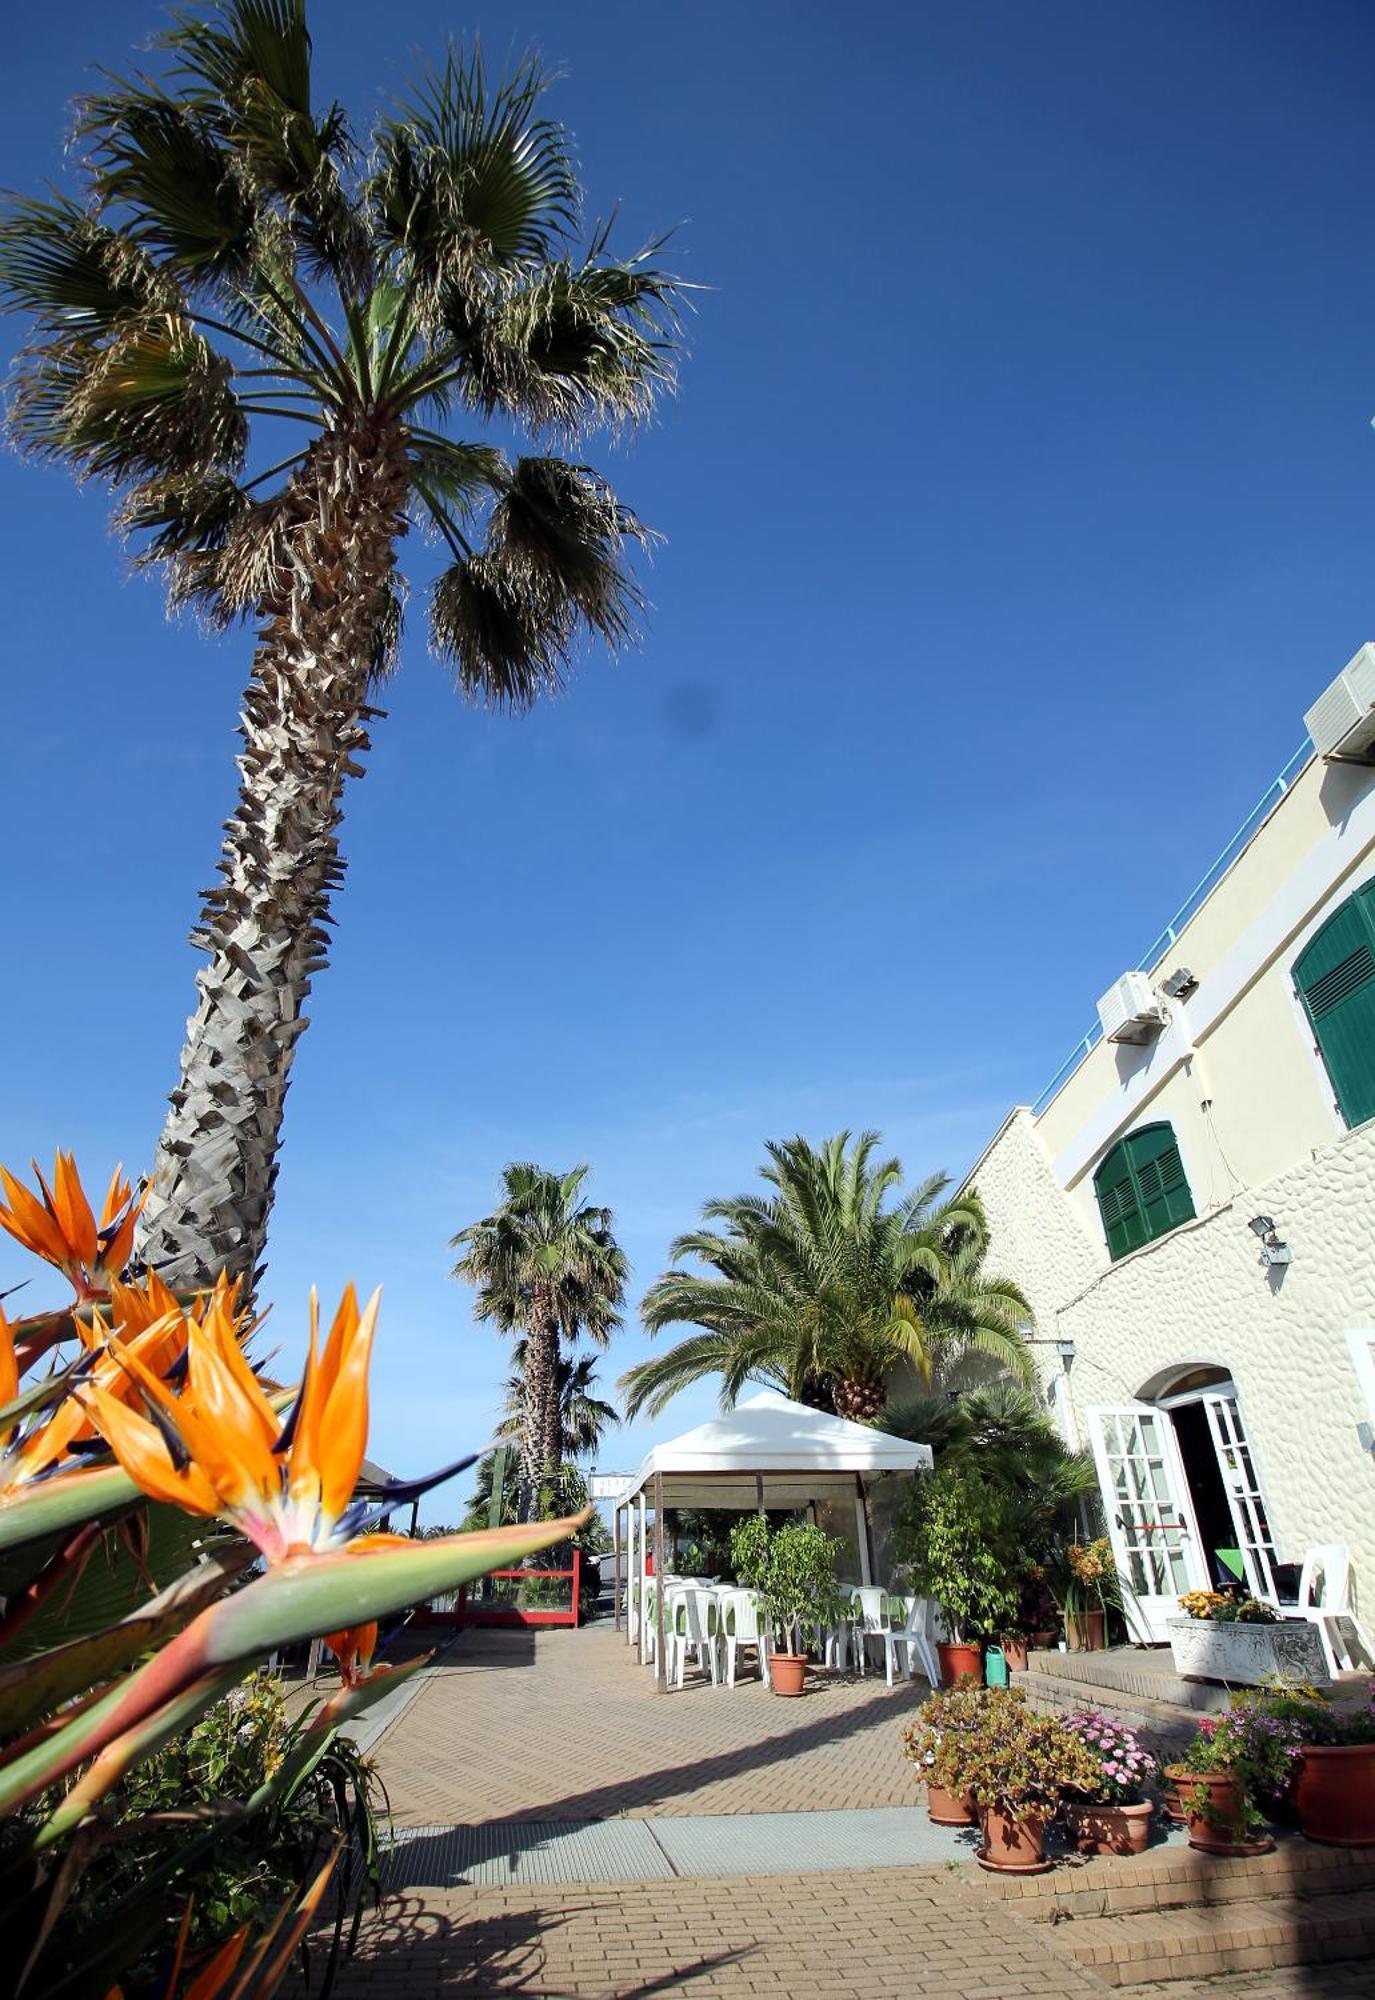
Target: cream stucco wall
1239, 1045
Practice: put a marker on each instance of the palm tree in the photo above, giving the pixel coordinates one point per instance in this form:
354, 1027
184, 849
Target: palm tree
229, 260
825, 1285
547, 1265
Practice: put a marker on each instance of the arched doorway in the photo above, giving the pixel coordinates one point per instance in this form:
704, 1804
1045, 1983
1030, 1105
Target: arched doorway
1184, 1506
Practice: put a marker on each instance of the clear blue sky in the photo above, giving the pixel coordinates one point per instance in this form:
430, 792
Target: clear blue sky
1018, 499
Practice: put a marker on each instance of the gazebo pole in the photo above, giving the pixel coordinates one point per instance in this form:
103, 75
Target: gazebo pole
759, 1492
616, 1567
644, 1540
660, 1663
866, 1573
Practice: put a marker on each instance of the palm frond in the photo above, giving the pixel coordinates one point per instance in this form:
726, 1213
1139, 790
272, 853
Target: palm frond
73, 274
161, 173
153, 400
506, 617
569, 345
468, 175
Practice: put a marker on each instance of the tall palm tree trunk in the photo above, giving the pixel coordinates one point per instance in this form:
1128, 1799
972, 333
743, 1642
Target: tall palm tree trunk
304, 730
541, 1387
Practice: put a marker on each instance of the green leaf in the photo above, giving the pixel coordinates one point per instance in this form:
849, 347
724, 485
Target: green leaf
34, 1687
35, 1513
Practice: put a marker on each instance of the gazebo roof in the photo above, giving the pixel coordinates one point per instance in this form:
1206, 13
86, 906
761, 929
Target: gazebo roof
801, 1454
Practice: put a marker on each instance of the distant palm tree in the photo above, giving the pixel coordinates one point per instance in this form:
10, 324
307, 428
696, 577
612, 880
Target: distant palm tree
584, 1416
826, 1284
230, 259
546, 1265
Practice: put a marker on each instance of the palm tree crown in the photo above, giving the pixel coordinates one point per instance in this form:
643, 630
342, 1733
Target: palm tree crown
826, 1284
231, 263
547, 1265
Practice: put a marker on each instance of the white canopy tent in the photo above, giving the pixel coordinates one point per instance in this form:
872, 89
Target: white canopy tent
766, 1452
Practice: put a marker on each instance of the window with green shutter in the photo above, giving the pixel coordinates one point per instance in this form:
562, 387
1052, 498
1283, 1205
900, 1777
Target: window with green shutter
1142, 1189
1335, 976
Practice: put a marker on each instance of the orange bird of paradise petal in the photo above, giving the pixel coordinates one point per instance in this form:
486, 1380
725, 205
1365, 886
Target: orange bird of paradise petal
353, 1648
289, 1497
62, 1229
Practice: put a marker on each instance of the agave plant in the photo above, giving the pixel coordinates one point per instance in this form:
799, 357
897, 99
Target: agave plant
161, 1417
280, 348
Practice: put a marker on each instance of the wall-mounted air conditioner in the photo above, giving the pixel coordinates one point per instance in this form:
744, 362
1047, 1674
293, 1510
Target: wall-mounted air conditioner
1130, 1010
1341, 721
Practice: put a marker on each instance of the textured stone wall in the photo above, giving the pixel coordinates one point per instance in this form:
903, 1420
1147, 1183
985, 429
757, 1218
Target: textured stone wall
1200, 1296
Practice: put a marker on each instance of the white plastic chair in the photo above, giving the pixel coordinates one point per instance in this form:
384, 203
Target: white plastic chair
692, 1619
742, 1625
1324, 1599
867, 1599
919, 1634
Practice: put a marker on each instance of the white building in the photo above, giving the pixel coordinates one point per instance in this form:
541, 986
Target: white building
1190, 1206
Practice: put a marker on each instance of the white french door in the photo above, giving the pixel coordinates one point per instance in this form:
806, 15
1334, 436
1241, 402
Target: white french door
1244, 1496
1150, 1514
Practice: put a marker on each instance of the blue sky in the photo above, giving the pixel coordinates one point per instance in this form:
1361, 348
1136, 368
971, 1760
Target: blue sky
1018, 499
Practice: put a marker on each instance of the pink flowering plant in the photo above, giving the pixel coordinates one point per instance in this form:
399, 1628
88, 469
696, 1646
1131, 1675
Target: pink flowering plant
1124, 1767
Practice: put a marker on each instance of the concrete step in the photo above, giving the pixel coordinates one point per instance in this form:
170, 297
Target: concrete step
1146, 1672
1238, 1936
1180, 1877
1167, 1726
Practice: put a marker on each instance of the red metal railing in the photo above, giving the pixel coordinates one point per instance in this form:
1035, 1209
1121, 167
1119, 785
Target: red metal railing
471, 1607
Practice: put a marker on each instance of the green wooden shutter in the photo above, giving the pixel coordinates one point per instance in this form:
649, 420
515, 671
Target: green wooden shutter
1165, 1197
1335, 976
1142, 1189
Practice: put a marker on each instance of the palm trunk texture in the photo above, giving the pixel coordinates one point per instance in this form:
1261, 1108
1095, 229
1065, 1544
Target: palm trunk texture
304, 728
541, 1383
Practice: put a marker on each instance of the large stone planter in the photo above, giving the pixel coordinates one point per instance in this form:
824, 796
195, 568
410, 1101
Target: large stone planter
1247, 1655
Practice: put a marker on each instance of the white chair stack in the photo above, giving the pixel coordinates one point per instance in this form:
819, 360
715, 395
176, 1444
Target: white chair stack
1324, 1599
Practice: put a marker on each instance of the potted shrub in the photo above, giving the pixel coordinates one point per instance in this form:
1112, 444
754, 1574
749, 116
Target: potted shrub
1035, 1621
1335, 1789
1017, 1764
1212, 1781
798, 1588
950, 1545
945, 1711
1112, 1815
1243, 1642
1092, 1587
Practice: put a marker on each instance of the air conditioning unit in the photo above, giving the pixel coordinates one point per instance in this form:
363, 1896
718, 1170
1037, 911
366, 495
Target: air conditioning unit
1130, 1010
1341, 721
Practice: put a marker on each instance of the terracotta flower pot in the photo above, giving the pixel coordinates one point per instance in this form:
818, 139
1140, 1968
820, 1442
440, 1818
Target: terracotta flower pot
950, 1808
1335, 1794
1017, 1653
1215, 1812
1099, 1829
1170, 1800
1086, 1631
960, 1663
1014, 1843
787, 1672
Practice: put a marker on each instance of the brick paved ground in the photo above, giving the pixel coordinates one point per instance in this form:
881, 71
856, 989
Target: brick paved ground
564, 1725
835, 1937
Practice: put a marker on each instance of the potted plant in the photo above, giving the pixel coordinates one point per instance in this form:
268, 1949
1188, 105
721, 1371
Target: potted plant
1244, 1642
1017, 1764
1212, 1781
1112, 1815
1335, 1789
1091, 1588
1266, 1730
796, 1579
950, 1544
945, 1711
1035, 1621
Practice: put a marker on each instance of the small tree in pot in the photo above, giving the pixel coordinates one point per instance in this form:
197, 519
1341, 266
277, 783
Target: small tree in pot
793, 1568
945, 1712
952, 1543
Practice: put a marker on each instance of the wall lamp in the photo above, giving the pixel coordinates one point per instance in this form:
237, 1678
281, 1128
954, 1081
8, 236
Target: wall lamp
1272, 1251
1066, 1350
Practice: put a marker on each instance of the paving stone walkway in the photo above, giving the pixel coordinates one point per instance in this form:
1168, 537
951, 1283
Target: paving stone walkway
513, 1733
557, 1725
